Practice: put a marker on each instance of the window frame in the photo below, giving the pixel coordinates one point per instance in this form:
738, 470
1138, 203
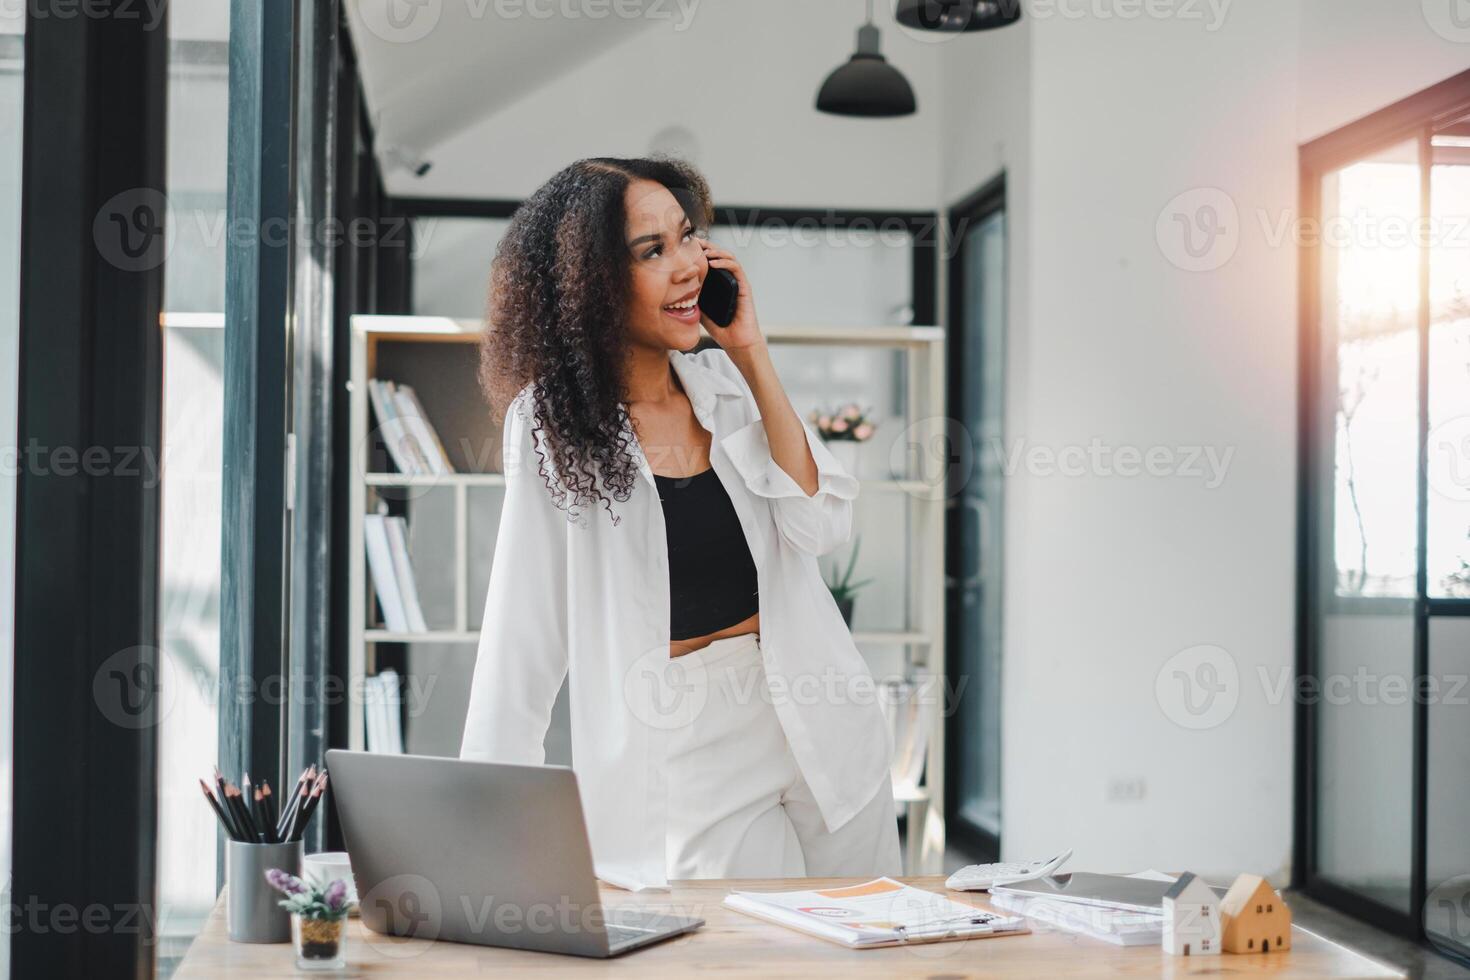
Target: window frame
1414, 117
90, 375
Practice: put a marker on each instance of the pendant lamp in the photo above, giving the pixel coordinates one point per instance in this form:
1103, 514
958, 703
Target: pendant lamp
867, 85
957, 15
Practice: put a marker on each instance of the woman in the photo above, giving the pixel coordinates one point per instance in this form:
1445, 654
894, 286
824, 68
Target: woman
663, 516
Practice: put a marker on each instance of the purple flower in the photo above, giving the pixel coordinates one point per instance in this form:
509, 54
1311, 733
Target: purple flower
336, 896
285, 883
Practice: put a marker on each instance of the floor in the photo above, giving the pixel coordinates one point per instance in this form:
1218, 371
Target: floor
1418, 962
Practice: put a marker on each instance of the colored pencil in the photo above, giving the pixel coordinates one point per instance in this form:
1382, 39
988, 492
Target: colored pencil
224, 821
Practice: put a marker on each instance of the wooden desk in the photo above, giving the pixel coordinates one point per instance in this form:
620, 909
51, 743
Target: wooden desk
731, 944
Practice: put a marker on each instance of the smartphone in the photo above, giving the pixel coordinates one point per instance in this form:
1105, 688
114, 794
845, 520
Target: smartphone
718, 296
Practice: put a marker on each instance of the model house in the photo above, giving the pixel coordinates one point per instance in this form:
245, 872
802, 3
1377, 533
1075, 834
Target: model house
1191, 918
1254, 917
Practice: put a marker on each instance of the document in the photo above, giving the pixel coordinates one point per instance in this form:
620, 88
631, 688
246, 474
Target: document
881, 912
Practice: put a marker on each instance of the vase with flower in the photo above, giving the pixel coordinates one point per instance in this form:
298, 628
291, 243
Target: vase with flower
843, 432
318, 919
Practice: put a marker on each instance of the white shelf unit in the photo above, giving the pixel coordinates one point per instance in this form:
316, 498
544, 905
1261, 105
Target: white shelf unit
922, 639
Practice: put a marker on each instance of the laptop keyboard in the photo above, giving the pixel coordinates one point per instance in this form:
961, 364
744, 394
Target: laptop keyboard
627, 929
619, 935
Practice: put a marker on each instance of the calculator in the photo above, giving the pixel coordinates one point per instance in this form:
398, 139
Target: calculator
980, 877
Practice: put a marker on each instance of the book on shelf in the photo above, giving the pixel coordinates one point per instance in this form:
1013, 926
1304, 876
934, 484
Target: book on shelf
385, 578
908, 709
382, 715
412, 442
408, 589
426, 437
386, 542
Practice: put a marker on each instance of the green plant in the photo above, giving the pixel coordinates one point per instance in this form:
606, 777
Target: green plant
307, 898
844, 587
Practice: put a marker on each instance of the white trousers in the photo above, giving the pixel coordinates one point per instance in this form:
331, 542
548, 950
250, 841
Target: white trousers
738, 806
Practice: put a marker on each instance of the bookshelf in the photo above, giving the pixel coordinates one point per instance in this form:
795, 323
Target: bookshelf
424, 349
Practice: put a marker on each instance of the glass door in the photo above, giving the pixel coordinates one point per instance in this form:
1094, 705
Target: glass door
1446, 914
1385, 572
1368, 417
973, 599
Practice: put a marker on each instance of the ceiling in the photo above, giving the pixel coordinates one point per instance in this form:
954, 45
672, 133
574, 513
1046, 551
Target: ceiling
496, 95
440, 65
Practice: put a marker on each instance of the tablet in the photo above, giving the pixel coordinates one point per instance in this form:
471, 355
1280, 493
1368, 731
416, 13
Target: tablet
1088, 888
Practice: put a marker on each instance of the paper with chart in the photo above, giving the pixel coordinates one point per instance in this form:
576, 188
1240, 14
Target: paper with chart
880, 912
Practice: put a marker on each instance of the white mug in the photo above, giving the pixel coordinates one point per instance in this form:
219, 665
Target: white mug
328, 866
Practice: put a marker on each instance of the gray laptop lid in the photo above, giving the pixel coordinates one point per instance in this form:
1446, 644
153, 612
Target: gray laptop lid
473, 852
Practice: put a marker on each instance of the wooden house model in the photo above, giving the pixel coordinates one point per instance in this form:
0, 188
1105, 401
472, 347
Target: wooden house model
1254, 918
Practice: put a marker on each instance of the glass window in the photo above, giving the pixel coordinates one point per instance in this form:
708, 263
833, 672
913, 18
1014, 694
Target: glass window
806, 273
1448, 446
193, 356
1369, 419
869, 269
980, 348
451, 264
1369, 303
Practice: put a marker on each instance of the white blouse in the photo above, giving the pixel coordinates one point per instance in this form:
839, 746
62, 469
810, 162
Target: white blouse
591, 597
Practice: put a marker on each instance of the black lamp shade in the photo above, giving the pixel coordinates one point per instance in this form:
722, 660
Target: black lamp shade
957, 15
867, 85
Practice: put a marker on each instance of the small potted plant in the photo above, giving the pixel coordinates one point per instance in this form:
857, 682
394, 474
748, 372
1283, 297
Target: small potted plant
848, 425
318, 917
843, 588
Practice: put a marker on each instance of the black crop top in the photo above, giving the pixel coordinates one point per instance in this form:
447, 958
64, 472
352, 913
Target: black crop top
712, 580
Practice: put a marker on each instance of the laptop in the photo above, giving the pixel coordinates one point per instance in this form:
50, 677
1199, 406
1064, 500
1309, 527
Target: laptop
480, 852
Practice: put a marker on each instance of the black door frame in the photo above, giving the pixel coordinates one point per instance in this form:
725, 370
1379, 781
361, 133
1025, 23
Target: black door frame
988, 199
1411, 118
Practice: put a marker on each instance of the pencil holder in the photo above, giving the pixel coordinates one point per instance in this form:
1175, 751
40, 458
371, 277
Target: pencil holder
255, 916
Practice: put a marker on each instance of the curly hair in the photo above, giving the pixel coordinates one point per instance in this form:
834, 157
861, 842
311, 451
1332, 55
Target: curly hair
558, 295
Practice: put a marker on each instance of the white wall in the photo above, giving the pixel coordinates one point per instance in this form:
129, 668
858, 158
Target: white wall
1111, 338
1129, 348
